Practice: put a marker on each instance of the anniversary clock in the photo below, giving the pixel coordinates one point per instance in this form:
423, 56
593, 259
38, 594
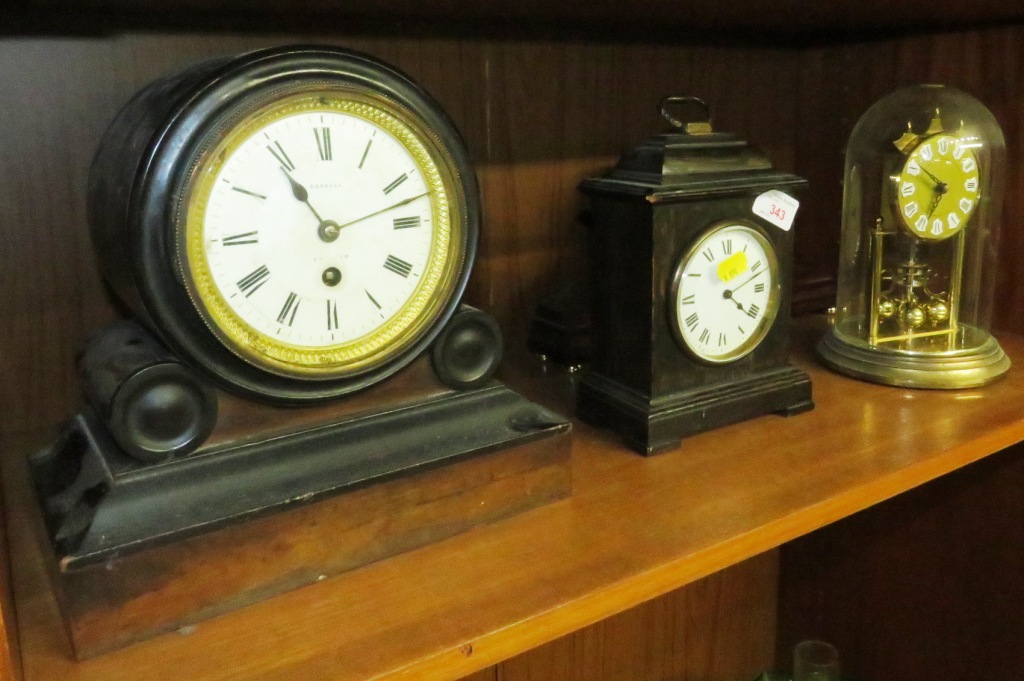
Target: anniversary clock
922, 198
292, 230
691, 249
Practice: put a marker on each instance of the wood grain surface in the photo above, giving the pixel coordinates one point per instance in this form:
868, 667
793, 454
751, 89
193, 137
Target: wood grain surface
720, 627
10, 654
929, 585
633, 530
783, 20
540, 110
537, 116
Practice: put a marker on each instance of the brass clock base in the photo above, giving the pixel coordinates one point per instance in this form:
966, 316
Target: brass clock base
965, 369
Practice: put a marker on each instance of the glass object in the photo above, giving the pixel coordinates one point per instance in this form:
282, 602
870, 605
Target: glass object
815, 661
922, 200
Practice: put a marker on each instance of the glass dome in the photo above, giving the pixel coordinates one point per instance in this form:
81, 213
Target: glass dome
922, 199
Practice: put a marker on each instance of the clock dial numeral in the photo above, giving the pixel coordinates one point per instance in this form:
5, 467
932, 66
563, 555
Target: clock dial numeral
727, 247
722, 340
966, 205
910, 210
288, 310
252, 282
688, 300
395, 183
953, 221
323, 143
908, 189
705, 336
758, 288
281, 156
332, 315
261, 197
922, 223
937, 227
913, 167
709, 254
753, 311
366, 152
971, 184
968, 165
692, 321
756, 266
372, 299
241, 239
926, 152
398, 266
407, 223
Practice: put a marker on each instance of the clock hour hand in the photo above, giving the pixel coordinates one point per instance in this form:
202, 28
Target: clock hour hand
727, 294
300, 193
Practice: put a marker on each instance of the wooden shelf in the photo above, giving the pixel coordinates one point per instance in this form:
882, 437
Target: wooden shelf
776, 22
633, 529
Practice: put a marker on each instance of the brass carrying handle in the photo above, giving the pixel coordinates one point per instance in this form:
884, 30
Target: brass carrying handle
694, 125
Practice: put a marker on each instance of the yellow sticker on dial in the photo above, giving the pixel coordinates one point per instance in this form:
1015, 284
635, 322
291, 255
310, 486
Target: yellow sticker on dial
733, 266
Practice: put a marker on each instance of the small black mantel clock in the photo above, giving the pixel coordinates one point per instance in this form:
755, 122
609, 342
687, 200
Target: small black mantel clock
691, 248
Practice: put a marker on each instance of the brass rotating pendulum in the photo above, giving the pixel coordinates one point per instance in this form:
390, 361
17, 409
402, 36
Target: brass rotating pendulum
903, 302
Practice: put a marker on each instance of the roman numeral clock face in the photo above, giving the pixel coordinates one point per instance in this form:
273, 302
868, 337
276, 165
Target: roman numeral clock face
938, 188
320, 238
725, 293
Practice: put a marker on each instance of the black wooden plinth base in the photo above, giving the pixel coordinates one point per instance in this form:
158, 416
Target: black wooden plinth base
650, 426
135, 552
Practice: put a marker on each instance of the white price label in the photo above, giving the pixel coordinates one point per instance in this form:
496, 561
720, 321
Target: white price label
777, 208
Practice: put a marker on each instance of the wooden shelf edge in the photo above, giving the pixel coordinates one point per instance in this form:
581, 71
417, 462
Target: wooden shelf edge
458, 606
477, 653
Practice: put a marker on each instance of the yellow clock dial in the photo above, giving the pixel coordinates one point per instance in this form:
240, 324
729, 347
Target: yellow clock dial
938, 187
320, 236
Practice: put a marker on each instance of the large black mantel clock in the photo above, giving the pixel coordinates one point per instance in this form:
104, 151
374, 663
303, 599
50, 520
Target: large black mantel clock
691, 248
292, 231
299, 223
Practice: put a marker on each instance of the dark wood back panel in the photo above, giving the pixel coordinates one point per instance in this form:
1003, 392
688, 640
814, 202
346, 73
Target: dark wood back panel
537, 115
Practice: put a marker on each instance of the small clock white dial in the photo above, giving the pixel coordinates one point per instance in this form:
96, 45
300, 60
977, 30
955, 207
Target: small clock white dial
725, 293
318, 235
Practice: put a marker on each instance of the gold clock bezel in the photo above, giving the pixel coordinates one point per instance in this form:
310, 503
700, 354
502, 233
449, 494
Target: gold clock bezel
410, 322
774, 295
897, 197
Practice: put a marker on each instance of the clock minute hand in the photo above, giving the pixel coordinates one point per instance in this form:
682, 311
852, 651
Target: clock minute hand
384, 210
752, 278
927, 172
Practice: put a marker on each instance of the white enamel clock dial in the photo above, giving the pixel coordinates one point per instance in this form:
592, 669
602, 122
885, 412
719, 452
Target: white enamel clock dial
938, 188
725, 293
318, 236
